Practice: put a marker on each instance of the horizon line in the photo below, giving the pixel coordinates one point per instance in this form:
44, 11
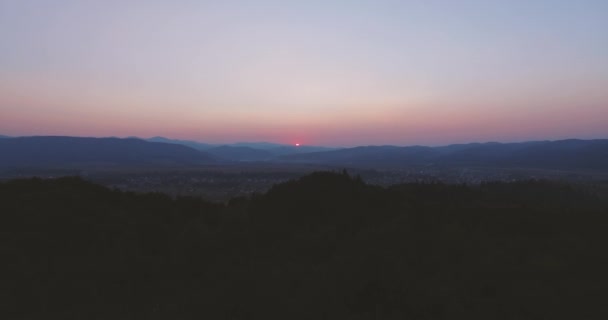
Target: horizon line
307, 145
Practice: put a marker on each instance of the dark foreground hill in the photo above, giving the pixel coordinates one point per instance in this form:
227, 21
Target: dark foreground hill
74, 151
326, 246
563, 154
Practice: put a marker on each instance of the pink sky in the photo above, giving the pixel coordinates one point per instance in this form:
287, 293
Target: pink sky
322, 73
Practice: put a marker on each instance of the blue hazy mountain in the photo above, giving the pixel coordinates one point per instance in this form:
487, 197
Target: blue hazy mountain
278, 149
240, 153
245, 151
74, 151
64, 151
236, 152
188, 143
287, 149
258, 145
562, 154
368, 156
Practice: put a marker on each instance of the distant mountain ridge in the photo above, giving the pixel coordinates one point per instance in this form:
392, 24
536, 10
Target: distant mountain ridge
240, 153
257, 145
561, 154
572, 154
189, 143
245, 151
45, 151
58, 151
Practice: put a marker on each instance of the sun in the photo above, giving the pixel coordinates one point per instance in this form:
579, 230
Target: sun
297, 144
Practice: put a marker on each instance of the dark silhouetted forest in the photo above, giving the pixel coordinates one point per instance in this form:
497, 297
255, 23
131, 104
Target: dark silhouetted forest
326, 246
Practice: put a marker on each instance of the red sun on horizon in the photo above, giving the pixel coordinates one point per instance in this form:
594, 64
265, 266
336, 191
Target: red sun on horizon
297, 144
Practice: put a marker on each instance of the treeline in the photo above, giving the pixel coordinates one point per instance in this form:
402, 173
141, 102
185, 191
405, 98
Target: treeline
326, 246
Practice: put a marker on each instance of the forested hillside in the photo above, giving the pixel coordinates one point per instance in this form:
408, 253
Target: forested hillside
326, 246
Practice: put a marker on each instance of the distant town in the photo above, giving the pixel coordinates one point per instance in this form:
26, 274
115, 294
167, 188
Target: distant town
221, 183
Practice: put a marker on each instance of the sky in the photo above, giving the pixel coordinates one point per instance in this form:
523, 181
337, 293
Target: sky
317, 72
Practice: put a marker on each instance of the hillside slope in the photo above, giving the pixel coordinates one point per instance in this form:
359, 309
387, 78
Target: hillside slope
324, 246
73, 151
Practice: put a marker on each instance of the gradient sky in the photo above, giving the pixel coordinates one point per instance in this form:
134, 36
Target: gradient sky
315, 72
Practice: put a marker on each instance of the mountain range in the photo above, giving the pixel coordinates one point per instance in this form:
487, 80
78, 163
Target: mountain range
570, 154
562, 154
52, 151
243, 151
